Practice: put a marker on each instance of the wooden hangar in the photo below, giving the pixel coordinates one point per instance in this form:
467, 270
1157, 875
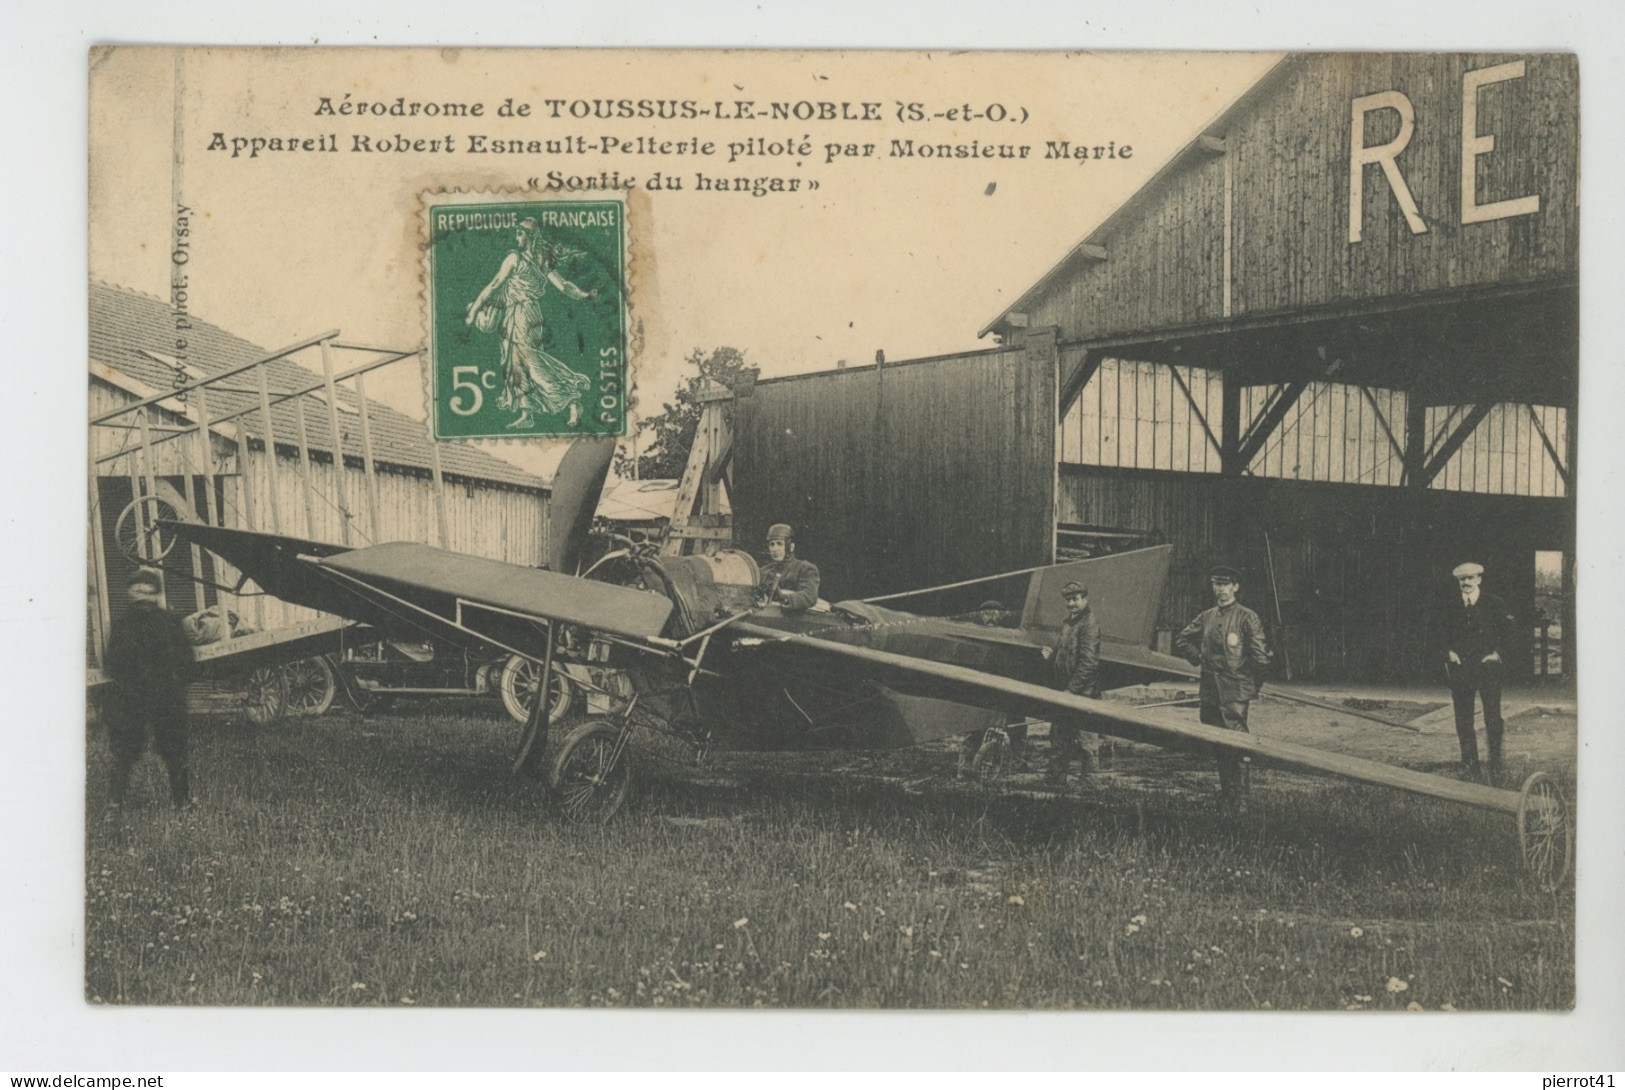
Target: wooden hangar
1335, 340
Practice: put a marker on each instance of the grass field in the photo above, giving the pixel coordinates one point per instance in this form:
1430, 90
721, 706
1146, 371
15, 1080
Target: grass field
393, 860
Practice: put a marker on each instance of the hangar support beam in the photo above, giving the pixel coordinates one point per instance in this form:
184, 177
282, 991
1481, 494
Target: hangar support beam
1442, 453
1072, 386
1269, 420
1196, 410
1551, 450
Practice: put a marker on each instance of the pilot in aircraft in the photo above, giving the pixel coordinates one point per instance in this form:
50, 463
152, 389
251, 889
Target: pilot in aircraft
787, 580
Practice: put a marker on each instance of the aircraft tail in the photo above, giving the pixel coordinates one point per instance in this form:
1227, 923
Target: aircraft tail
1125, 593
577, 486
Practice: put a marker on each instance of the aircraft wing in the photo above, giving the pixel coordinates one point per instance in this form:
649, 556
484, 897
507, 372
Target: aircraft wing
1144, 658
448, 584
975, 687
413, 590
275, 563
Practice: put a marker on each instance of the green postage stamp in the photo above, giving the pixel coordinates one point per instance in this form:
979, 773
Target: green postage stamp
526, 316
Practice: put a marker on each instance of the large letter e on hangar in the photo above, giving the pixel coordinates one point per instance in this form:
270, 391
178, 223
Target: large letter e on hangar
1473, 145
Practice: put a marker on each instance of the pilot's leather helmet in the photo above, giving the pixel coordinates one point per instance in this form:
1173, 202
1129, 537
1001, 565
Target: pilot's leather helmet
780, 531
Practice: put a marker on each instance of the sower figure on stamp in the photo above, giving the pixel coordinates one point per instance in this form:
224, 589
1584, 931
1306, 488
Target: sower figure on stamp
787, 580
1228, 643
148, 656
533, 380
1478, 627
1075, 668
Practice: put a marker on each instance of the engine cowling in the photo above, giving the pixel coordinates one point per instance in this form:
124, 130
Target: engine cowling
705, 589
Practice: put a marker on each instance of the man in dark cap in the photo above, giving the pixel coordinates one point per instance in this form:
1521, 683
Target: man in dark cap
1478, 628
1228, 643
992, 614
1075, 668
148, 656
787, 580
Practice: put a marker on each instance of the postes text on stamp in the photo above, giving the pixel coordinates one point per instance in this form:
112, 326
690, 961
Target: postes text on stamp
526, 316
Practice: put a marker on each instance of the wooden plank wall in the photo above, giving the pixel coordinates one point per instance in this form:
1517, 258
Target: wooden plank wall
1363, 573
482, 518
902, 476
504, 524
1289, 152
1133, 414
1506, 452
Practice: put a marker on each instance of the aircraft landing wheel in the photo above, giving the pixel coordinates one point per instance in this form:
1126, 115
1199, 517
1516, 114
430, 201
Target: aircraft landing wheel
137, 534
1545, 832
312, 687
592, 772
264, 696
518, 688
993, 756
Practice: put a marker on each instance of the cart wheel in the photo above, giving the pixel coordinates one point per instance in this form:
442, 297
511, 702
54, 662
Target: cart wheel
1545, 835
993, 757
137, 534
311, 686
518, 688
265, 695
593, 772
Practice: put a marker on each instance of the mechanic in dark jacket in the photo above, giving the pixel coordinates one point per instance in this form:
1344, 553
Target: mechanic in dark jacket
1075, 668
1477, 631
787, 580
1227, 641
148, 656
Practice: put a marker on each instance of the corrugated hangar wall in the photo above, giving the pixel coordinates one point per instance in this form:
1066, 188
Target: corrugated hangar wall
903, 476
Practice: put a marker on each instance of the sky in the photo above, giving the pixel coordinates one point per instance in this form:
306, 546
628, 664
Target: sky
908, 254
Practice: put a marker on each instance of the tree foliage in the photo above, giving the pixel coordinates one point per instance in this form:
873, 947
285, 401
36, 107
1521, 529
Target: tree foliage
664, 440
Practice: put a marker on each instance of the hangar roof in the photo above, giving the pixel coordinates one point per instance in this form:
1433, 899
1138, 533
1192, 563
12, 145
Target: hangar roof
132, 333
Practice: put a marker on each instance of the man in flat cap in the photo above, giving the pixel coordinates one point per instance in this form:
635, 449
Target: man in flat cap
1074, 668
148, 656
787, 580
1477, 631
1228, 643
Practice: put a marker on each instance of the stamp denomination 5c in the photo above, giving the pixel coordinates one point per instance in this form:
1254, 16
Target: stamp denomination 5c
526, 316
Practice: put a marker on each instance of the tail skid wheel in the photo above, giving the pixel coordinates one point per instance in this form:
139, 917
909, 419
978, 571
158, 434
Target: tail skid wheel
518, 688
1545, 831
993, 756
592, 772
137, 533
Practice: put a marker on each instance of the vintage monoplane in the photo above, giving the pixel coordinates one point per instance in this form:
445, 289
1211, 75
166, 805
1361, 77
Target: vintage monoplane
684, 645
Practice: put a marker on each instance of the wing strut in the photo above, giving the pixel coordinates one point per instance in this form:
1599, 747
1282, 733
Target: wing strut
541, 716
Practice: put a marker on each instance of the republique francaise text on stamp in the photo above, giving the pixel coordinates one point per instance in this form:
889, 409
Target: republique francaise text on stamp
526, 317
